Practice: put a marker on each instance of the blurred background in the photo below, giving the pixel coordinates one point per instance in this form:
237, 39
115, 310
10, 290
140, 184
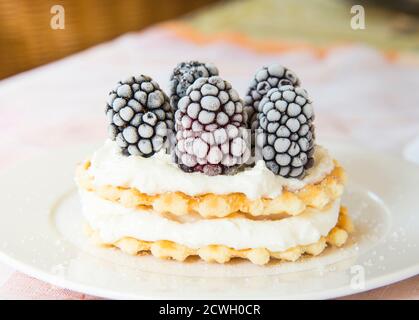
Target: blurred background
27, 40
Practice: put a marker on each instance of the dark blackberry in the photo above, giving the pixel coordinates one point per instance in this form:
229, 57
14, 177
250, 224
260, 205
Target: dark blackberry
139, 115
266, 78
185, 74
210, 128
287, 131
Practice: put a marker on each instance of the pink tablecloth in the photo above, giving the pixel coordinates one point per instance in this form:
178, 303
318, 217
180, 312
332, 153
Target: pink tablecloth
359, 94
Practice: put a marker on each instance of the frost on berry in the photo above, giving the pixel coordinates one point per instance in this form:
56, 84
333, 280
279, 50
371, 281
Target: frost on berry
210, 128
139, 116
184, 75
285, 136
266, 78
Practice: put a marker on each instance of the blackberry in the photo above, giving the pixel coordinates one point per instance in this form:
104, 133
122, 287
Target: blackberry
139, 116
210, 128
287, 131
266, 78
185, 74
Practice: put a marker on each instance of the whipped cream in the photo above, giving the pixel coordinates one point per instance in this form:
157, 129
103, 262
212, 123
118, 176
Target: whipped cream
114, 222
158, 174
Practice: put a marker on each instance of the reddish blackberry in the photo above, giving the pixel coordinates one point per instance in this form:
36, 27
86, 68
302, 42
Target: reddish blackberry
287, 131
266, 78
185, 74
210, 128
139, 115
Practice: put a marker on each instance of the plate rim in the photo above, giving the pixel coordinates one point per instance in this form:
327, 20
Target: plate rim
64, 283
101, 292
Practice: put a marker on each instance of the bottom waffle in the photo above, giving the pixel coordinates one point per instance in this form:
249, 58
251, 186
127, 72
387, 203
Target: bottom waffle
222, 254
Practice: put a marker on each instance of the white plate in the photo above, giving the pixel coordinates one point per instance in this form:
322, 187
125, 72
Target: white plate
41, 235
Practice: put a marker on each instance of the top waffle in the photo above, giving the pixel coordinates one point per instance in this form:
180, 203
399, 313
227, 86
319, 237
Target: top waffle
213, 205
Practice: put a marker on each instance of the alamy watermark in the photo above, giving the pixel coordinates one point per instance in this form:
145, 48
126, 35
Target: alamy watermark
358, 18
357, 277
57, 21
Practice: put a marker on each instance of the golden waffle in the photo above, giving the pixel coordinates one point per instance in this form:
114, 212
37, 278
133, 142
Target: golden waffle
218, 253
212, 205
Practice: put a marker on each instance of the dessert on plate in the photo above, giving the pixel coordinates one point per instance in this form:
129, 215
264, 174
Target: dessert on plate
203, 173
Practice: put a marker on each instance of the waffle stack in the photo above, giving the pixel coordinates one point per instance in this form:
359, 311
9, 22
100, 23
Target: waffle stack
176, 225
200, 173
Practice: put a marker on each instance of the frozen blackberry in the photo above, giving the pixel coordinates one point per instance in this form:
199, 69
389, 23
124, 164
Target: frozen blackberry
266, 78
210, 128
287, 131
139, 115
185, 74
